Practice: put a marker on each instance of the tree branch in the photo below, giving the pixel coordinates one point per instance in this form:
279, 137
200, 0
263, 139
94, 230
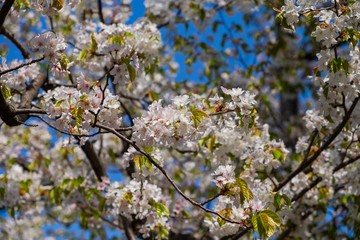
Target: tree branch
13, 117
21, 65
5, 10
345, 163
24, 52
7, 113
101, 16
306, 189
128, 230
30, 94
307, 162
162, 170
94, 160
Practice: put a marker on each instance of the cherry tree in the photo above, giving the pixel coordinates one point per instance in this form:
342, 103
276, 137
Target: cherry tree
260, 141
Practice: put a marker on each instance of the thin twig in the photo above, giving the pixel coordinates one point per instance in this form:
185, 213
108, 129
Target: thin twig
101, 16
66, 132
212, 198
307, 162
162, 170
24, 52
21, 65
222, 112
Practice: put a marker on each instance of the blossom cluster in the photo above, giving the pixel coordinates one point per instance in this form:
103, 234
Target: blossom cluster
129, 49
77, 109
18, 80
217, 136
142, 200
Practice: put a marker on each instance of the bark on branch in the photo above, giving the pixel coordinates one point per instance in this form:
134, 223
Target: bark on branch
5, 10
11, 37
94, 160
8, 113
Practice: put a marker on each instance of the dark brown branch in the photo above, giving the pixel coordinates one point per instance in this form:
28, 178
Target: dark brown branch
128, 230
94, 160
29, 111
24, 52
162, 170
101, 16
212, 198
312, 185
222, 112
345, 163
312, 139
306, 189
308, 161
64, 131
21, 65
7, 113
13, 117
5, 10
30, 94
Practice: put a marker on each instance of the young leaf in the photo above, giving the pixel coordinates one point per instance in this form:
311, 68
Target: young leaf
6, 92
245, 192
160, 208
278, 154
131, 71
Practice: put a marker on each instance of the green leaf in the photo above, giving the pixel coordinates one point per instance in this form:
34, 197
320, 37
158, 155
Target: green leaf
94, 45
120, 40
339, 64
211, 143
102, 204
245, 192
112, 154
190, 60
354, 36
128, 197
25, 185
58, 4
215, 25
65, 182
58, 103
84, 220
280, 19
64, 61
163, 233
83, 97
154, 96
226, 213
281, 200
78, 181
265, 223
11, 211
78, 116
149, 149
257, 225
197, 115
278, 154
6, 92
82, 55
47, 162
160, 208
142, 161
2, 193
55, 195
131, 71
273, 216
